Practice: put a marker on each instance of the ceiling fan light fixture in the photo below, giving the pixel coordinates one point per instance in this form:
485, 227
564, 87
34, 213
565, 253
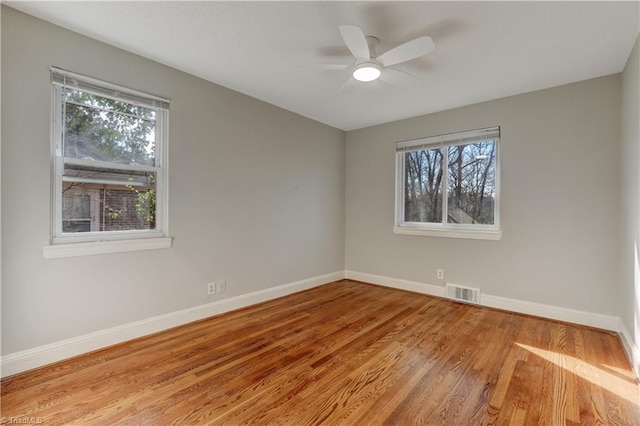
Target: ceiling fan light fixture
366, 71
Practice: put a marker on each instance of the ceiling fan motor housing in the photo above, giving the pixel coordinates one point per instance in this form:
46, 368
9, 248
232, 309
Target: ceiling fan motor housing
367, 70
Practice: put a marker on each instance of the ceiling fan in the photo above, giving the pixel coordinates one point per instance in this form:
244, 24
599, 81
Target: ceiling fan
369, 67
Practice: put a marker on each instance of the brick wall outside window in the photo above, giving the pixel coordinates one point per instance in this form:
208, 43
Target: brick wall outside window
120, 211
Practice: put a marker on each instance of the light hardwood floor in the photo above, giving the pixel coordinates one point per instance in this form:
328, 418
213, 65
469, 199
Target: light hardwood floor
344, 353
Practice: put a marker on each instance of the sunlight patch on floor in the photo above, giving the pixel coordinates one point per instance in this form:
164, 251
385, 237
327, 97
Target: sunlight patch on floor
599, 377
621, 372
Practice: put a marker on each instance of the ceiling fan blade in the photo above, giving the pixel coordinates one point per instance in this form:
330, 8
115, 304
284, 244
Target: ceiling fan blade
348, 84
333, 66
356, 41
407, 51
395, 77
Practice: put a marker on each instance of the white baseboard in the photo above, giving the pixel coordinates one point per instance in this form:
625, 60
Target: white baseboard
591, 319
32, 358
605, 322
633, 351
416, 287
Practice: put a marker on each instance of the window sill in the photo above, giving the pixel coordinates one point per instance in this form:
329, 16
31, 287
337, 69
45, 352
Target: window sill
56, 251
449, 233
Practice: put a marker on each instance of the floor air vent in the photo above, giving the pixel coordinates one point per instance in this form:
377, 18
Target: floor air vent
463, 294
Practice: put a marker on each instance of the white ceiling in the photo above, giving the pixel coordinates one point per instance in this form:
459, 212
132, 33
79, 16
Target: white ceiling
273, 50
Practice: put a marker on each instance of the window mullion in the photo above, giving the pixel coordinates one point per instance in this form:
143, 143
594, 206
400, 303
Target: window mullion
102, 181
445, 183
107, 165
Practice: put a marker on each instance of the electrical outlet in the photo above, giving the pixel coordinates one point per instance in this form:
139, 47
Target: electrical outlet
440, 274
221, 286
211, 289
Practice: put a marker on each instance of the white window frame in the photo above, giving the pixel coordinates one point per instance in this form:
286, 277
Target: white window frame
76, 244
445, 229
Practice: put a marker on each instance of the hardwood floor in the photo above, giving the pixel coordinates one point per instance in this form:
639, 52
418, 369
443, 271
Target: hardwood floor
345, 353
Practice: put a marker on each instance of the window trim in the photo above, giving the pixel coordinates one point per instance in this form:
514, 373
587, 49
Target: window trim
68, 244
56, 251
443, 229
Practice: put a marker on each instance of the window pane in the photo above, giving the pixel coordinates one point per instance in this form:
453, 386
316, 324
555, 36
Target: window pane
423, 186
81, 206
471, 183
98, 128
107, 200
77, 212
76, 225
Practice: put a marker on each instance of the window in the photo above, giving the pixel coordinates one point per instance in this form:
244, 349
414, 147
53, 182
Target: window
109, 166
78, 211
449, 185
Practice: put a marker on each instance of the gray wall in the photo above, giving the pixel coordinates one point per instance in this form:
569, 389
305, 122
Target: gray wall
256, 195
630, 190
560, 200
